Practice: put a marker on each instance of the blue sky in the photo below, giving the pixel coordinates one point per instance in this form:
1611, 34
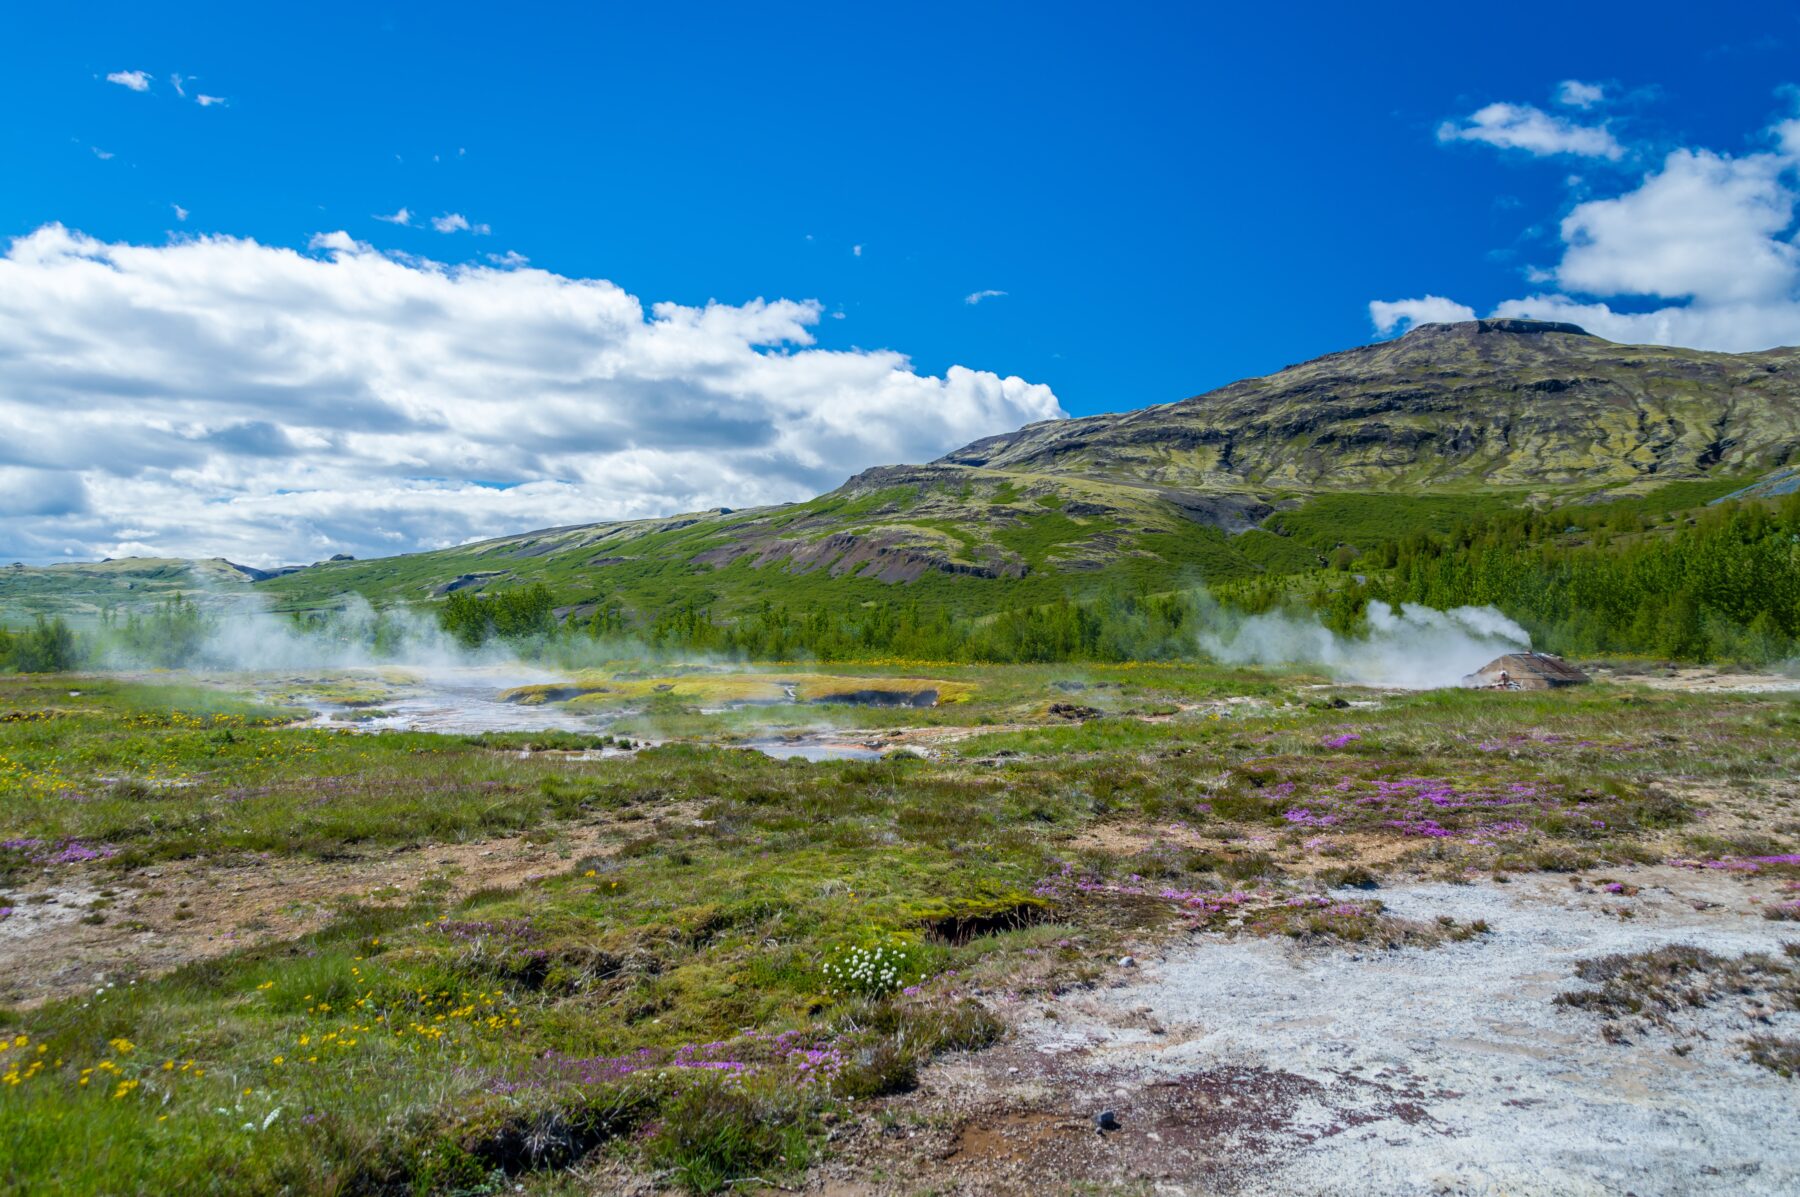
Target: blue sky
1148, 200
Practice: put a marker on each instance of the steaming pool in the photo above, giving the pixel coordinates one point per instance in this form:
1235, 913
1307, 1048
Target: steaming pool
468, 701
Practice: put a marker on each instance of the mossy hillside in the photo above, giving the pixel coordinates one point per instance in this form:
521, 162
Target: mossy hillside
1479, 405
1026, 553
1371, 444
1367, 445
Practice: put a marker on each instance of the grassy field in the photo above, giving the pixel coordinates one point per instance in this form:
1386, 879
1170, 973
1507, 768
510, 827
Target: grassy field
727, 953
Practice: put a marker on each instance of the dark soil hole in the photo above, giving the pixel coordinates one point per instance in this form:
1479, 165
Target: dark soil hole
959, 929
883, 698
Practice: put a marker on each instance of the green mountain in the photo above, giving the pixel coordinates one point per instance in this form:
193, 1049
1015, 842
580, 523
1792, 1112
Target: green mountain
1264, 475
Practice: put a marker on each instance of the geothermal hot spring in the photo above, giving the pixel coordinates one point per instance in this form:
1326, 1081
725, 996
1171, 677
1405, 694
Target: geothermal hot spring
473, 699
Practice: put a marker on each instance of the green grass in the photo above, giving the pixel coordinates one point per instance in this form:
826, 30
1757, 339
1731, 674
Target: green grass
1363, 520
404, 1048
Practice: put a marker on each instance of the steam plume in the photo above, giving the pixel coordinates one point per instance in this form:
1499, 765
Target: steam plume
1417, 648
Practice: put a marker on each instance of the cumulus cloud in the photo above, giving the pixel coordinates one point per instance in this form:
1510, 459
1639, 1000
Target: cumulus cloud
181, 213
135, 80
450, 222
976, 297
1531, 129
1712, 235
206, 101
1573, 93
217, 395
403, 216
1703, 226
1427, 309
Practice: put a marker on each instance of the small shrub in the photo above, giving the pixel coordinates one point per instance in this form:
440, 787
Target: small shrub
1352, 876
714, 1134
1778, 1054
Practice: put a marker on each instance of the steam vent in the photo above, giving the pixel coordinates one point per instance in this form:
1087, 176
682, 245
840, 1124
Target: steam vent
1525, 671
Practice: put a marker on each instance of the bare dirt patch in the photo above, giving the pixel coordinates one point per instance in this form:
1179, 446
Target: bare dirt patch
78, 928
1703, 679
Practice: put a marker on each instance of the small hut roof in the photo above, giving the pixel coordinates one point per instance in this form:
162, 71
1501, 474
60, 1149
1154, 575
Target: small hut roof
1528, 664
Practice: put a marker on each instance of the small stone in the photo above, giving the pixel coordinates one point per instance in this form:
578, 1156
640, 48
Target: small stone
1106, 1120
1127, 962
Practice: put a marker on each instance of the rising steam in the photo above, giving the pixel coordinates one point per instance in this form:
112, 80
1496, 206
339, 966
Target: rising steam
1416, 647
241, 633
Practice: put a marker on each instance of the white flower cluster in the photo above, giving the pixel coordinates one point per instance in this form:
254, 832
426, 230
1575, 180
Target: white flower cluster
873, 971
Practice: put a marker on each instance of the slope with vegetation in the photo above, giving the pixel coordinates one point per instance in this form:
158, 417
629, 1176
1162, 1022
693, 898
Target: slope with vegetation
1491, 446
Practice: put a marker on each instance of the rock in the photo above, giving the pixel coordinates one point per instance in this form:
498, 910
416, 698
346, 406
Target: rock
1106, 1120
1127, 962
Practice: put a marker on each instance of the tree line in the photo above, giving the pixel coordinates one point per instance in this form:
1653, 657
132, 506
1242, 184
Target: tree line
1721, 583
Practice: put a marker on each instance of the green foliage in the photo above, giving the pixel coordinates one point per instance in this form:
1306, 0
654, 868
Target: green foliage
516, 615
1114, 627
1361, 520
47, 647
1722, 585
716, 1133
169, 637
705, 932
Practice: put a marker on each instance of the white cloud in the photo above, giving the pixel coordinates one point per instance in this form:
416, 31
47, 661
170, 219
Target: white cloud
856, 251
1787, 136
1704, 226
510, 260
977, 296
1428, 309
1523, 127
216, 395
1713, 233
1573, 93
206, 101
403, 216
450, 222
181, 213
179, 82
103, 155
135, 80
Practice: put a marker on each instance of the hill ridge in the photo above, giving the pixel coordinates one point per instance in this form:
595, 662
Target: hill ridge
1445, 420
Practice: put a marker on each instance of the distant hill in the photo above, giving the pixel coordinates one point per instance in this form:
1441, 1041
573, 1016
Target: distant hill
1484, 404
1264, 475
